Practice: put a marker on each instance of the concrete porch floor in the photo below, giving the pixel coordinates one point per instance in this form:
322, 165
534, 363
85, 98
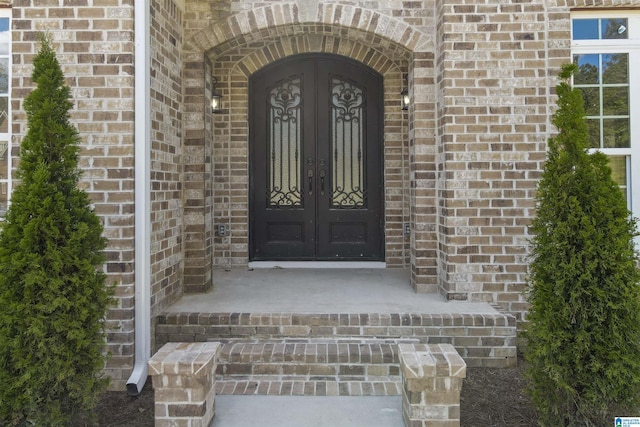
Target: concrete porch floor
319, 290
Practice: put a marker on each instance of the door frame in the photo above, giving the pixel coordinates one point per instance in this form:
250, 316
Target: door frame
379, 169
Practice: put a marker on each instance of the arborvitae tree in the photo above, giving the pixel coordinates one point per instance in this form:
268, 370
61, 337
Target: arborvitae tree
53, 296
583, 328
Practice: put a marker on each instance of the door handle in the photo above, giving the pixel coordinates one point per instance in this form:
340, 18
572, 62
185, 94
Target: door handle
310, 175
322, 174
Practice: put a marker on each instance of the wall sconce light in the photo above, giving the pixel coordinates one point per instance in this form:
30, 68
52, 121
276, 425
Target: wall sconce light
405, 99
216, 98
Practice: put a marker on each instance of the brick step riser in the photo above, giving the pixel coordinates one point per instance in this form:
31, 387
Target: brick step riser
308, 387
373, 358
311, 352
477, 351
487, 340
318, 371
351, 367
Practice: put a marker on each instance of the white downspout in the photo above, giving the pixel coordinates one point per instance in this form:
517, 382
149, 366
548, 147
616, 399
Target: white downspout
142, 164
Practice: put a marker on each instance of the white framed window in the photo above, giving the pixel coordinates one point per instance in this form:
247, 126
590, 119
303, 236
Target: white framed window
606, 47
5, 109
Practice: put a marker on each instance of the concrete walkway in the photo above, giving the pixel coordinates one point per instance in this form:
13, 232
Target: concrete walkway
306, 411
319, 290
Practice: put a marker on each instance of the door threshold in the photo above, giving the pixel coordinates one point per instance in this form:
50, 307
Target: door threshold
318, 264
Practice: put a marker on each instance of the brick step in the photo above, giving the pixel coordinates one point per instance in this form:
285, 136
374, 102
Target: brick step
313, 367
487, 339
391, 386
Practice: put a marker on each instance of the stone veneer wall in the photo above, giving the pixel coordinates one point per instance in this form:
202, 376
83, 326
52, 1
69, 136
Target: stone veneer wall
94, 42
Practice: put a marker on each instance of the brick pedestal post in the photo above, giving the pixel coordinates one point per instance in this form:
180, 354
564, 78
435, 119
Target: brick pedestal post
183, 380
432, 377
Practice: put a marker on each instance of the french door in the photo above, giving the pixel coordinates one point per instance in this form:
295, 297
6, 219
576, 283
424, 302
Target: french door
316, 160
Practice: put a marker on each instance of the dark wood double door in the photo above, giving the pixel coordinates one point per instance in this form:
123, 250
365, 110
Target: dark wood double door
316, 160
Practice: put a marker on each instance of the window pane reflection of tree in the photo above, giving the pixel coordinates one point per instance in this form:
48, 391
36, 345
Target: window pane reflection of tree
616, 133
588, 69
615, 68
591, 97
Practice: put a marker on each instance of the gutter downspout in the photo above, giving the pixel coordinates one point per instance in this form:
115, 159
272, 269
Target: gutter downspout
142, 163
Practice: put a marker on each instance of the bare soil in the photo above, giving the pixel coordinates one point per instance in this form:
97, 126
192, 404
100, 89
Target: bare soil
490, 397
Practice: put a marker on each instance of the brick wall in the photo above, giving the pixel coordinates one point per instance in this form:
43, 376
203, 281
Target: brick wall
167, 251
422, 160
94, 42
492, 129
198, 179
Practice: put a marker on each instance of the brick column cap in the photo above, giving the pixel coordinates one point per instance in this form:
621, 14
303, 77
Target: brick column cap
181, 358
431, 360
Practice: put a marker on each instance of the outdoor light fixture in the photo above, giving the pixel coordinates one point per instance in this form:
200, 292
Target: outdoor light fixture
216, 97
405, 99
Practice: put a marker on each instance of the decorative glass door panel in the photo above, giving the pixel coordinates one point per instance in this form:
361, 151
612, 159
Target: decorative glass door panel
315, 154
285, 124
347, 121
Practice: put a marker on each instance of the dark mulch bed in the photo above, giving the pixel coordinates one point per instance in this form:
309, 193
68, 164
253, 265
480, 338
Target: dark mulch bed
118, 409
496, 397
490, 397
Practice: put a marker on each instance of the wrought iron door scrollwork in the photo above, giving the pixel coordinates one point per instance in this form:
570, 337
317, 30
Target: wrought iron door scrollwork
348, 108
284, 105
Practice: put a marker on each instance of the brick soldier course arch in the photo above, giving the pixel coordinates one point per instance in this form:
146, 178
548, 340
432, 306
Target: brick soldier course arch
270, 20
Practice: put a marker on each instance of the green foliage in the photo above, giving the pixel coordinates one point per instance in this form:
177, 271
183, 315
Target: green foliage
52, 295
584, 324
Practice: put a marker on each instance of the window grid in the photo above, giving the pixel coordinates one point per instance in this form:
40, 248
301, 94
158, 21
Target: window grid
604, 88
624, 154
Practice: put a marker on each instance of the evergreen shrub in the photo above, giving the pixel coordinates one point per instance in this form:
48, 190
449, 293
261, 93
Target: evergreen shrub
52, 290
583, 328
